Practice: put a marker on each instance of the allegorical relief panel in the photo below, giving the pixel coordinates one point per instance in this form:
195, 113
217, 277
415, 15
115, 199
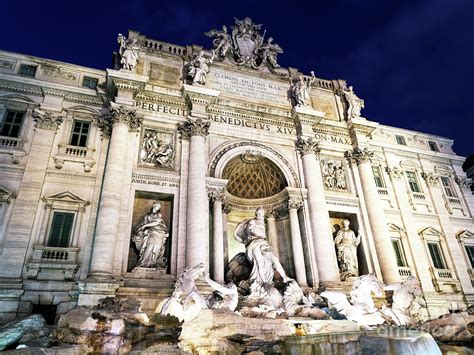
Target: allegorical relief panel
334, 174
157, 148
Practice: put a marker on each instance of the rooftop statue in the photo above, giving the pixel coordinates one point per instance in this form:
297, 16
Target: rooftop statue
354, 103
245, 45
198, 68
128, 52
300, 89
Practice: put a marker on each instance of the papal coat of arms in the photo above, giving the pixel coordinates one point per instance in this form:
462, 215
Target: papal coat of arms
245, 45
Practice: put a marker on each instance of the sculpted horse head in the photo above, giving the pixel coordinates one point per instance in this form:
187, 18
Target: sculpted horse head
362, 289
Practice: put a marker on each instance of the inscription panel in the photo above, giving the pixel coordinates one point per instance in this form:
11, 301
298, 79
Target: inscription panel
254, 89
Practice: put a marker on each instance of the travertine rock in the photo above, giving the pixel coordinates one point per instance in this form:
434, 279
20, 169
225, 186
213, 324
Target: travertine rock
453, 327
28, 328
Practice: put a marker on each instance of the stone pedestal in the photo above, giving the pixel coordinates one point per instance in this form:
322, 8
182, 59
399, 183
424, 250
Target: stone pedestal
90, 292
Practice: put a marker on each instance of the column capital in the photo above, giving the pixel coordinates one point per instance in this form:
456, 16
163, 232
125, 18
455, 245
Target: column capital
431, 178
307, 146
119, 114
216, 196
272, 214
463, 182
47, 119
197, 127
360, 156
226, 207
394, 172
294, 202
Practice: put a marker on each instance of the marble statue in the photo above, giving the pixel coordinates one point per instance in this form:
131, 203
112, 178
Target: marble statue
296, 303
251, 232
224, 296
186, 302
150, 237
155, 151
346, 244
407, 298
267, 52
300, 89
198, 68
354, 103
222, 41
245, 45
128, 52
361, 308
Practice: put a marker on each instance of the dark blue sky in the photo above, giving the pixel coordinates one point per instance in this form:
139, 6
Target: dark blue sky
411, 61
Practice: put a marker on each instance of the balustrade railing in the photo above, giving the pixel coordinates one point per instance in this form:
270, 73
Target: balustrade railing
404, 271
54, 254
11, 142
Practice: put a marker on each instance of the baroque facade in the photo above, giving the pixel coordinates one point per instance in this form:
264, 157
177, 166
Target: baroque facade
113, 182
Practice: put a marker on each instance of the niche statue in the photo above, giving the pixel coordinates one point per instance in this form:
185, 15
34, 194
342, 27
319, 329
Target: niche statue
346, 244
150, 237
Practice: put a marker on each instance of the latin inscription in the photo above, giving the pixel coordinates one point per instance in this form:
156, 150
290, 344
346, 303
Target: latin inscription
161, 108
233, 121
250, 89
155, 182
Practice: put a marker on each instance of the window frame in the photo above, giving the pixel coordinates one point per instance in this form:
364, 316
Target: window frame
90, 79
448, 188
433, 146
63, 213
20, 125
27, 74
403, 258
400, 139
440, 255
80, 134
416, 181
382, 179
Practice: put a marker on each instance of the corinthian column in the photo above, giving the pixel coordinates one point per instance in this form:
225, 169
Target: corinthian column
294, 204
217, 200
122, 119
197, 208
318, 213
272, 231
378, 224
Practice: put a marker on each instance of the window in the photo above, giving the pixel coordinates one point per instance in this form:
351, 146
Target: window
80, 131
27, 70
448, 187
470, 254
412, 181
12, 124
378, 176
397, 247
89, 82
61, 229
436, 256
400, 140
433, 146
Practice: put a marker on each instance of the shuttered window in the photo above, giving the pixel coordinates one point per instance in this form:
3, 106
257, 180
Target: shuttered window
61, 229
436, 256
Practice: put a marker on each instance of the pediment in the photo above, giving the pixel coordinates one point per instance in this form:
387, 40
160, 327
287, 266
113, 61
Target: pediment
66, 197
465, 235
394, 228
431, 231
83, 109
17, 97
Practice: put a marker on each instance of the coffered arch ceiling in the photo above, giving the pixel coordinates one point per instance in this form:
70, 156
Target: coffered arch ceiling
253, 176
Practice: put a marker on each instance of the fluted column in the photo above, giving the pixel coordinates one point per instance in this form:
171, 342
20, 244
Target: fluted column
217, 200
378, 224
197, 215
122, 119
294, 204
318, 213
272, 231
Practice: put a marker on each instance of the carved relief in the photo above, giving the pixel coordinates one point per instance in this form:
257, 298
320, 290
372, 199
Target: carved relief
47, 119
58, 72
157, 149
334, 174
394, 172
7, 64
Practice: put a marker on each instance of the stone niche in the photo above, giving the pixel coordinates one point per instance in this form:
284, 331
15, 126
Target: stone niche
143, 202
336, 224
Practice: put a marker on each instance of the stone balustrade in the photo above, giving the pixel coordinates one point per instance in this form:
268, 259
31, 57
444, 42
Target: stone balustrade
53, 263
75, 154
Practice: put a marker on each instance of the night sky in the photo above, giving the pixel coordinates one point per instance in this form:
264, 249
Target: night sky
411, 61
